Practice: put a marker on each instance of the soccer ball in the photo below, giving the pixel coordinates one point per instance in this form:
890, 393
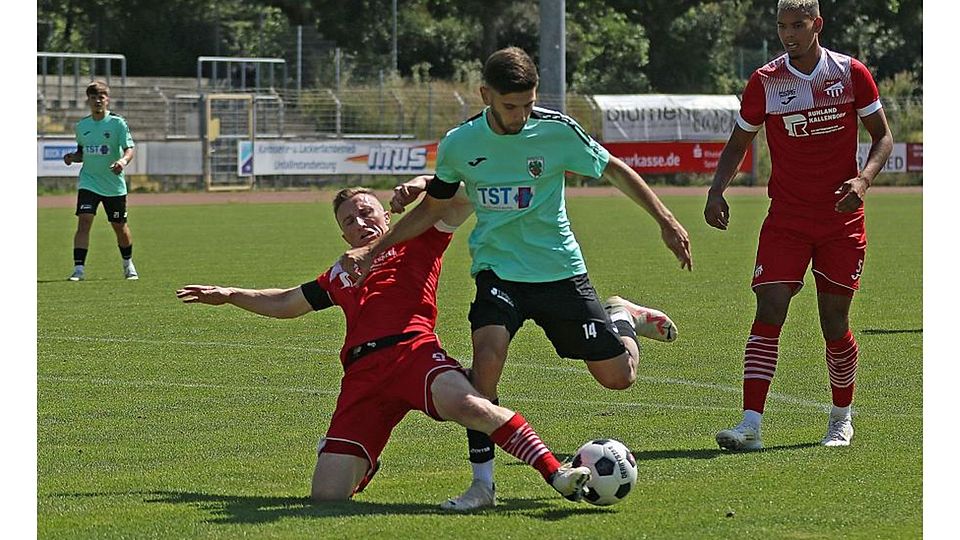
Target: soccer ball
613, 471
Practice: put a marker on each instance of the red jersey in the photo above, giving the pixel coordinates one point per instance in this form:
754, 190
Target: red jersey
399, 295
811, 123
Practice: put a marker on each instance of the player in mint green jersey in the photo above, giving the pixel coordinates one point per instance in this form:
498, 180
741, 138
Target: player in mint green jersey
105, 147
512, 158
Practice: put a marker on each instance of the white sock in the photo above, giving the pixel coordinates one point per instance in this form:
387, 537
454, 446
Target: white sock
483, 472
621, 315
840, 412
752, 418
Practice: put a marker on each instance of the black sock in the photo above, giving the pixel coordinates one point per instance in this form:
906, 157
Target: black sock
126, 252
481, 447
626, 329
79, 256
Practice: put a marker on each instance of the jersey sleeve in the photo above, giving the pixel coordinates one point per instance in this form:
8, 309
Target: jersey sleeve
125, 137
866, 97
446, 171
753, 105
584, 155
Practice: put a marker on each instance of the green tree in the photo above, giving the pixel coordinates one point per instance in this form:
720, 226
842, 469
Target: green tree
606, 52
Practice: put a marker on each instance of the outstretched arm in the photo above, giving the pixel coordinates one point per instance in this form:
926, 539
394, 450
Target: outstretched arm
632, 184
717, 211
855, 189
277, 303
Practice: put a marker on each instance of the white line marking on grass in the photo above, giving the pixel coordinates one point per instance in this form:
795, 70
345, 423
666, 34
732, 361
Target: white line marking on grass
188, 343
773, 396
175, 384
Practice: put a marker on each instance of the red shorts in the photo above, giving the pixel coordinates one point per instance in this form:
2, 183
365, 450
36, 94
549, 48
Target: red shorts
835, 243
378, 390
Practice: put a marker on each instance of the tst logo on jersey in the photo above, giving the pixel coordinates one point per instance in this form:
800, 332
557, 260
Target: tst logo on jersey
505, 198
94, 149
796, 125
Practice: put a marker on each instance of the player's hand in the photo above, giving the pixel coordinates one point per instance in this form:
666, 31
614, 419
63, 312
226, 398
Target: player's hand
407, 192
204, 294
117, 166
356, 263
677, 239
68, 158
717, 212
851, 194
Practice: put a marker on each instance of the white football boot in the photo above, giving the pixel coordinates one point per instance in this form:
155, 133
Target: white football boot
129, 271
478, 495
77, 274
839, 432
569, 481
742, 437
648, 322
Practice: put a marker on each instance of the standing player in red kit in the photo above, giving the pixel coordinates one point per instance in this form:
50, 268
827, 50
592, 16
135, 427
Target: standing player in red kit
392, 359
809, 100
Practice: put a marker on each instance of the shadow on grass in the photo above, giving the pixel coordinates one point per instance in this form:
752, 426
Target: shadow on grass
882, 331
253, 509
703, 453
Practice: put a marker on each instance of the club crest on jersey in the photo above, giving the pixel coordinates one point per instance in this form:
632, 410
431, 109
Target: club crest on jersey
834, 88
505, 198
106, 134
535, 166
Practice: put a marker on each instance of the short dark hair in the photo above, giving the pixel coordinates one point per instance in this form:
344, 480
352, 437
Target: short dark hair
510, 70
97, 87
347, 193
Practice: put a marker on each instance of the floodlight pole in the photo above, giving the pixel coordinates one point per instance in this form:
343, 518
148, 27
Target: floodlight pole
553, 52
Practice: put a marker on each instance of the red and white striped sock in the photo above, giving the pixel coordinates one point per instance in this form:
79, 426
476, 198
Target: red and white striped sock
759, 364
518, 439
842, 365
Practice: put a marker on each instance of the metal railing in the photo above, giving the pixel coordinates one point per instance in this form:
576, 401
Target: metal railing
44, 59
241, 63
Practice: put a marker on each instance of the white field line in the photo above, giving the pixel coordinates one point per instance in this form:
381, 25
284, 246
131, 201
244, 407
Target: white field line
186, 343
773, 396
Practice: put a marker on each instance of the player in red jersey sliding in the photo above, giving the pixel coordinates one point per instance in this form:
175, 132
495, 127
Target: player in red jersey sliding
392, 359
809, 100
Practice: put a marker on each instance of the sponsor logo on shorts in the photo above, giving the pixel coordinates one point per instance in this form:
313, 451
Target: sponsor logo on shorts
856, 275
86, 206
758, 271
501, 295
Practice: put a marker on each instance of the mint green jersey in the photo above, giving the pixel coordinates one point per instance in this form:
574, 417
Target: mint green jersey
516, 185
103, 142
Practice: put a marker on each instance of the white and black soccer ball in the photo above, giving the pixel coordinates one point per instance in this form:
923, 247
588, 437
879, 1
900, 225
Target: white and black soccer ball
613, 471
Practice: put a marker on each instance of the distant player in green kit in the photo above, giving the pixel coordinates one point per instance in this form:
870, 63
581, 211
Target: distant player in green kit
512, 158
105, 147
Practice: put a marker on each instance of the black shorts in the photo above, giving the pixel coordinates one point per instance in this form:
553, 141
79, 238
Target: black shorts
115, 207
568, 311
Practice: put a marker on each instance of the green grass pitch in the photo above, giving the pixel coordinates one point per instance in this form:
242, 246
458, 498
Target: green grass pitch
161, 420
